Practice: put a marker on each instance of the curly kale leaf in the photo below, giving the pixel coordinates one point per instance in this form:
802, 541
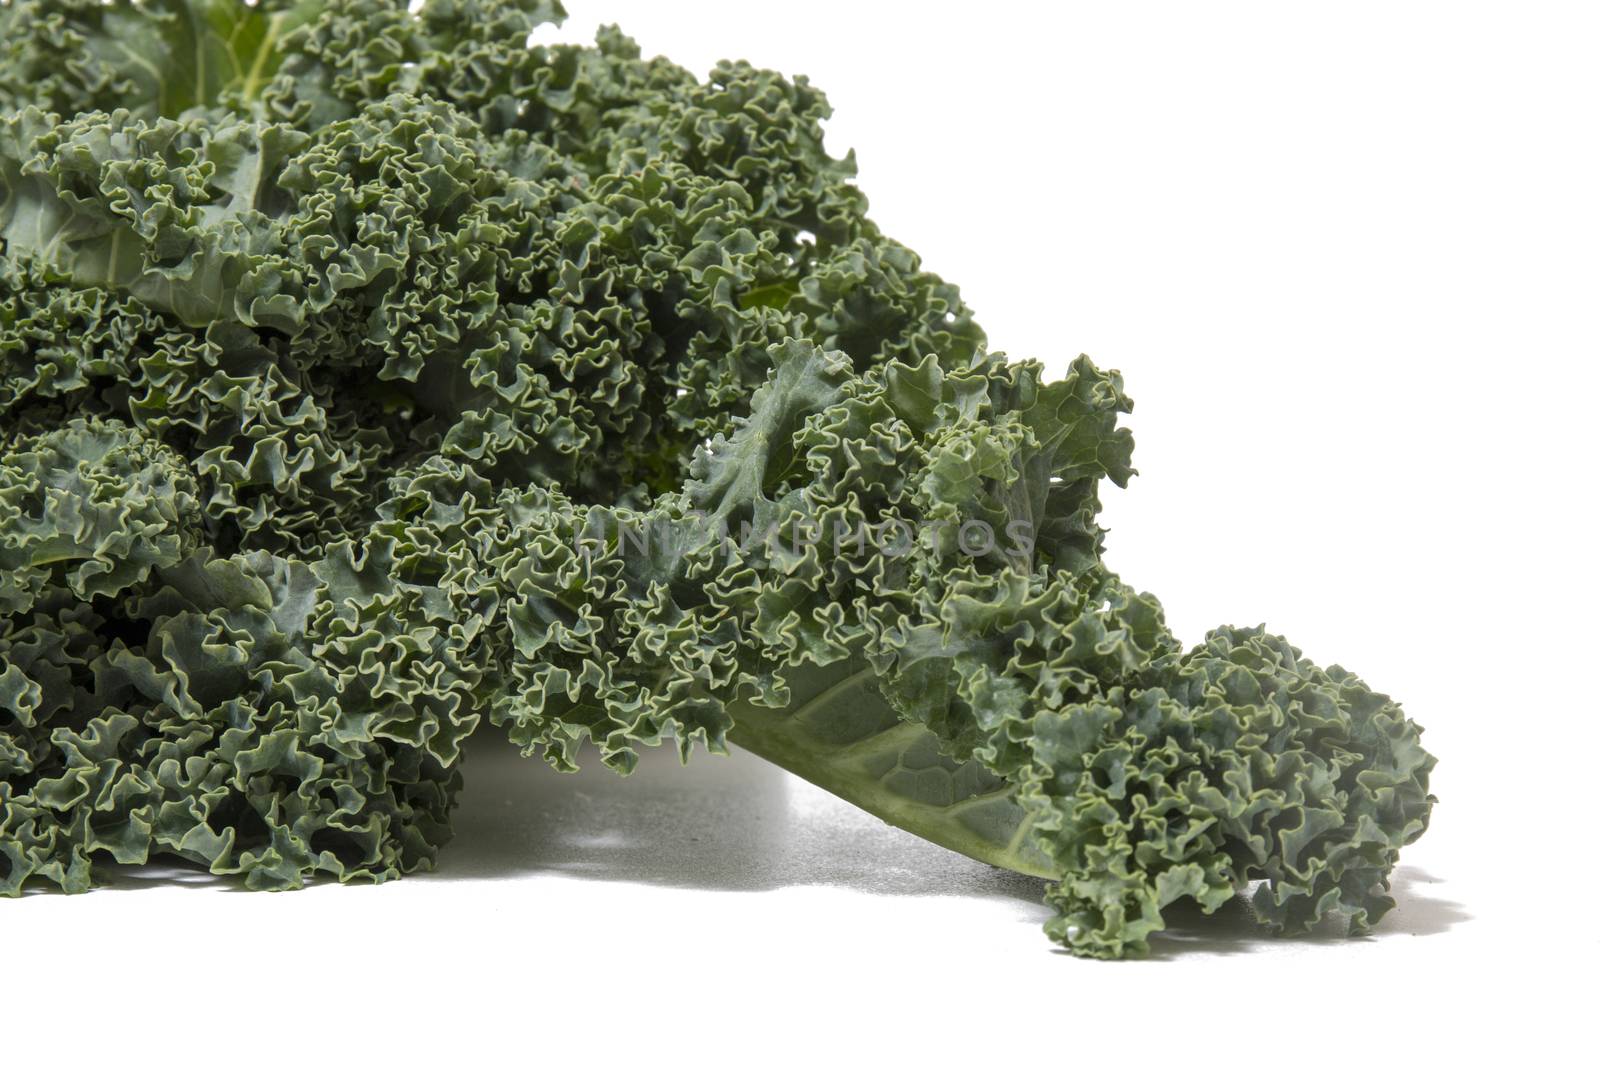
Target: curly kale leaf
153, 57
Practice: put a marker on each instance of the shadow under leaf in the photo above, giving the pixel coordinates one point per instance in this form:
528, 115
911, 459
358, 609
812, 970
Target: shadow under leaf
734, 823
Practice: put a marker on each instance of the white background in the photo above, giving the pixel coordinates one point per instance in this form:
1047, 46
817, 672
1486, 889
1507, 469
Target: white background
1345, 256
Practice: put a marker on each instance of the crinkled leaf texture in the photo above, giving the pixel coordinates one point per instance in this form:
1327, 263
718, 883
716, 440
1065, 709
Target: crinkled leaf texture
366, 376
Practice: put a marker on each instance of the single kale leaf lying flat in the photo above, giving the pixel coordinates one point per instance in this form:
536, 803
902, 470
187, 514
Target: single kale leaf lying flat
367, 377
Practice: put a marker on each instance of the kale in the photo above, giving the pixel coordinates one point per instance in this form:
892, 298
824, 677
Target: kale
370, 375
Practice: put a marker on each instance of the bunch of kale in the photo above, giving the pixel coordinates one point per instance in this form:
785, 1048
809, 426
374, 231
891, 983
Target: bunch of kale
344, 351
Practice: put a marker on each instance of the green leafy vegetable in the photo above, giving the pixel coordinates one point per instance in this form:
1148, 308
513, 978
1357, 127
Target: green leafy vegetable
369, 375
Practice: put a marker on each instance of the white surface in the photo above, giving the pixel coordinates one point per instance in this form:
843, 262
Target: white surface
1346, 258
